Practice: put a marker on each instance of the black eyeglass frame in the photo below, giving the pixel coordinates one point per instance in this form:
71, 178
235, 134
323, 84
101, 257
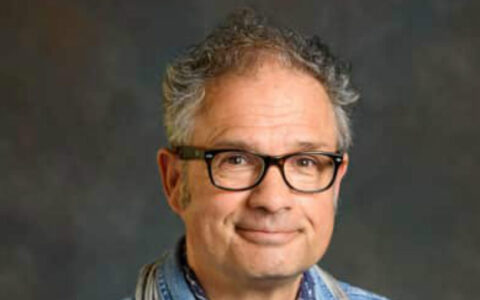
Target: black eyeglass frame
190, 153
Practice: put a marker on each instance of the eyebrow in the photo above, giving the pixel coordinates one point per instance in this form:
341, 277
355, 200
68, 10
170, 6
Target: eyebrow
242, 145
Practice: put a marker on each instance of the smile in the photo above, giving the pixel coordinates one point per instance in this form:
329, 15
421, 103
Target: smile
266, 237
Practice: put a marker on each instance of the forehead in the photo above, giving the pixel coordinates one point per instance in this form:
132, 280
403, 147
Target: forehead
271, 108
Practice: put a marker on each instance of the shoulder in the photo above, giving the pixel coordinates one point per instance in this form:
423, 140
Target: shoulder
356, 293
331, 288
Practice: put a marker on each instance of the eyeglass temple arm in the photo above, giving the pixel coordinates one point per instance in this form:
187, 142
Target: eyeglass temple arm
187, 152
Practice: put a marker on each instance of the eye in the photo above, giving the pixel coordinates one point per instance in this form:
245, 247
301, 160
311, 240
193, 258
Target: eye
305, 162
236, 159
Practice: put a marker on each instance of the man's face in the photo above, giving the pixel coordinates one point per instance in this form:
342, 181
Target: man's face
269, 231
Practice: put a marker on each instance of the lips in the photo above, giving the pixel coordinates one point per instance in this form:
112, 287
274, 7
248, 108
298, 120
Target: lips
266, 237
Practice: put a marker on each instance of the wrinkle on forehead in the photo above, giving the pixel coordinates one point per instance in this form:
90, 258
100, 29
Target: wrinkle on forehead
265, 115
235, 135
225, 139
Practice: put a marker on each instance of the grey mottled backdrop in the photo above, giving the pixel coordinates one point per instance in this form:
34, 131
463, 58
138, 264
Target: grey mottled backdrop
80, 121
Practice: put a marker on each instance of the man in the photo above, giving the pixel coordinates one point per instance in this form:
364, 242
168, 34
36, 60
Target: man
259, 132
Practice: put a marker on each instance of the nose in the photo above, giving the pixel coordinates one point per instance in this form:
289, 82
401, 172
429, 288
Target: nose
272, 195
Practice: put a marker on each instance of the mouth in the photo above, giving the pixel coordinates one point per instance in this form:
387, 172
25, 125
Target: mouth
266, 237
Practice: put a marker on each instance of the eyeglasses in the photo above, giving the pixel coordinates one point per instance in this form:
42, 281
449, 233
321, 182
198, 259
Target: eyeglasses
239, 170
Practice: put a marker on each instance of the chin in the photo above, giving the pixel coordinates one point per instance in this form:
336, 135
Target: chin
275, 261
275, 265
266, 276
276, 274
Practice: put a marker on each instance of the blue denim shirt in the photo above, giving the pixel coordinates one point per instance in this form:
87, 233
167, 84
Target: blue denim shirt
171, 284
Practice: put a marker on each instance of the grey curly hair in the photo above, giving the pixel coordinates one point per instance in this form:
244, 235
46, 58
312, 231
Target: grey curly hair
243, 39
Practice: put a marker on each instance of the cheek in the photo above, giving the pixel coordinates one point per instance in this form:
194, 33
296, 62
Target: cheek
321, 213
210, 208
210, 220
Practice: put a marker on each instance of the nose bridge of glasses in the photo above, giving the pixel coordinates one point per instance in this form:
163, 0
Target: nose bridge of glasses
278, 161
273, 161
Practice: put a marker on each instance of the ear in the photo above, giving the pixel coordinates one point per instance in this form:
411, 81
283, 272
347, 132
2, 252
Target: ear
171, 173
342, 170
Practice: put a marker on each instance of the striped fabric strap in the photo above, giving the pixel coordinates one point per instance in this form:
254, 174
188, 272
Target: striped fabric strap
146, 285
332, 284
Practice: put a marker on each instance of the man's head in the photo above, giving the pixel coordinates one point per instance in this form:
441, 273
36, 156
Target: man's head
253, 88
